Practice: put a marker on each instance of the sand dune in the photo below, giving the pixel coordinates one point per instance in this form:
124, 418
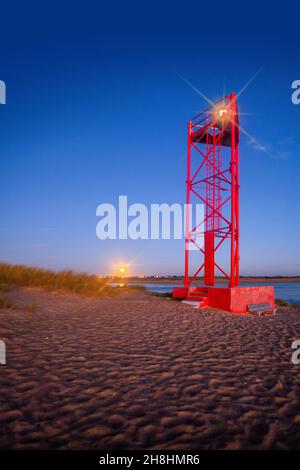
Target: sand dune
139, 372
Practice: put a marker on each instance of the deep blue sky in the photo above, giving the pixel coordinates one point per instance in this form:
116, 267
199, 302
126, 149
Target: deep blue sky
95, 109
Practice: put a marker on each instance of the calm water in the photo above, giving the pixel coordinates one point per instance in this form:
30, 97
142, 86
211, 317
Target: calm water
289, 291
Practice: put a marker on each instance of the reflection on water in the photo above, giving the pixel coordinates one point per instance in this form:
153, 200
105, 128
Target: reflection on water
289, 291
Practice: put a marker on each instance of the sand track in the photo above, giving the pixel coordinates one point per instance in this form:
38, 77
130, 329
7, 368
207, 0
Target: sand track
138, 372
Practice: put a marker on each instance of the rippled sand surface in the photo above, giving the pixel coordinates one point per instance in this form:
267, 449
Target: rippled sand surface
139, 372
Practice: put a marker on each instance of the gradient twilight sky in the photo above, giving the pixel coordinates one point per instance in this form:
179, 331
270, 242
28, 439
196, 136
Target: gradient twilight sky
95, 109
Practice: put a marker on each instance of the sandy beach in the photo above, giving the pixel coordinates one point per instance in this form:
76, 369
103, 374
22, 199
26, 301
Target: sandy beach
142, 372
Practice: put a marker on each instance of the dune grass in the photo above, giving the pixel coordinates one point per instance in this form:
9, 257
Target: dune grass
67, 281
281, 303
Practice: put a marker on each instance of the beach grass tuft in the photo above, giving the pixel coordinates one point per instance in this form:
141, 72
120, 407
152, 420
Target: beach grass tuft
281, 303
66, 281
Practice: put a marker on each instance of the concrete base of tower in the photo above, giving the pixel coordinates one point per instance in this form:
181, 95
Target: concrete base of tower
233, 300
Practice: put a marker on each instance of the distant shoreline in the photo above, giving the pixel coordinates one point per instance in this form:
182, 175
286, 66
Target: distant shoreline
179, 280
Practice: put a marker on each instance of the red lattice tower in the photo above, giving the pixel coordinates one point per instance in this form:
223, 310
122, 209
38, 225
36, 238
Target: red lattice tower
213, 179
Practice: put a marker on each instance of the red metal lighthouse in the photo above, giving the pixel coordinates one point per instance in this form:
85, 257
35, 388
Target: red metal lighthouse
213, 180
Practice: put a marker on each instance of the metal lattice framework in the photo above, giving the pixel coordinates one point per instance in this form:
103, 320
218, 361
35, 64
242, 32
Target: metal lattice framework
213, 178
